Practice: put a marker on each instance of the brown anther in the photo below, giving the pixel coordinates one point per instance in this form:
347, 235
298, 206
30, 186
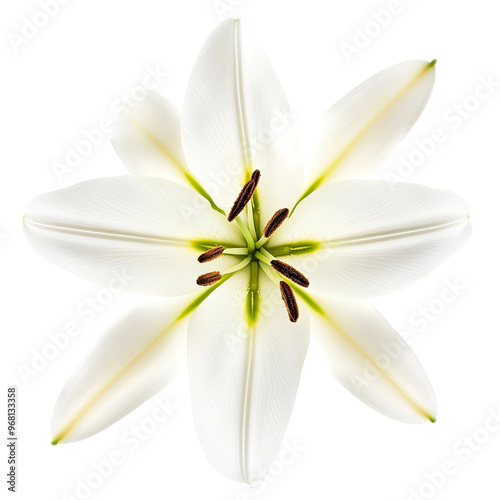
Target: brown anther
211, 254
255, 177
275, 222
290, 301
208, 278
290, 272
245, 196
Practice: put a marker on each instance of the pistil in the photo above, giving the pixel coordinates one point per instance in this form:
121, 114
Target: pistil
256, 255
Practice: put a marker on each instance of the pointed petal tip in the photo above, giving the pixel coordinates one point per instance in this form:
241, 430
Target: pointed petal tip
394, 97
215, 107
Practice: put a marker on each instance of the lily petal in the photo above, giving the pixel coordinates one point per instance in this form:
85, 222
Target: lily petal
244, 376
143, 228
136, 359
360, 131
148, 139
372, 361
236, 119
372, 237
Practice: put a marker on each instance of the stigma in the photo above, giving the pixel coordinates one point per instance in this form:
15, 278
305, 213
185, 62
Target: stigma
281, 273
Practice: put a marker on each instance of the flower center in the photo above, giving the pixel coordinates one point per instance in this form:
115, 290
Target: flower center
281, 273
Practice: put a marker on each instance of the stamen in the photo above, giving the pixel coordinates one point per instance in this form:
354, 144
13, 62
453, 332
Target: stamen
236, 251
211, 254
290, 272
255, 176
267, 254
275, 222
246, 234
251, 219
290, 301
260, 256
208, 278
245, 196
270, 273
243, 263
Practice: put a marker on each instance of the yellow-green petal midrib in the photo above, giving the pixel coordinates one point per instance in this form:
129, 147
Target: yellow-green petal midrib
347, 149
316, 307
83, 410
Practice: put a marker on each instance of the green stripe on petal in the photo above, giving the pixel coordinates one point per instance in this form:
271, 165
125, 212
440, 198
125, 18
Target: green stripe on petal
371, 360
137, 358
360, 131
295, 248
236, 119
253, 295
375, 236
243, 376
148, 142
137, 226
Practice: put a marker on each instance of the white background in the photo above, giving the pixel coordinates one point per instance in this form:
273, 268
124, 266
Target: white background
68, 77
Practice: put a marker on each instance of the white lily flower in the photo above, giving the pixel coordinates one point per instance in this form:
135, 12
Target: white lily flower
288, 247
